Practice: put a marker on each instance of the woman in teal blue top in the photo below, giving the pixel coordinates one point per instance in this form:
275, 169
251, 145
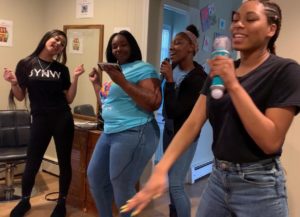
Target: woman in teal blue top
131, 133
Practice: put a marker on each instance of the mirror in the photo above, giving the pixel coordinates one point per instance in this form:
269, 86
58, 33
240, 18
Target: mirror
85, 46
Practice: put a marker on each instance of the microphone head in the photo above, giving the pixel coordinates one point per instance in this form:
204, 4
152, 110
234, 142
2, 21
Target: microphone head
222, 43
221, 47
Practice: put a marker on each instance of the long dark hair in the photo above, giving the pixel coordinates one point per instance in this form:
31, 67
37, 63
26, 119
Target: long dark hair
61, 57
135, 51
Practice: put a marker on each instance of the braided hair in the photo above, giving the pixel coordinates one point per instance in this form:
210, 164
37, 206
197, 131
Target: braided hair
274, 16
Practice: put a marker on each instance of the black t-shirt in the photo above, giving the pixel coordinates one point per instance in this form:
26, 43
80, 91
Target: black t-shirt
45, 83
179, 101
275, 83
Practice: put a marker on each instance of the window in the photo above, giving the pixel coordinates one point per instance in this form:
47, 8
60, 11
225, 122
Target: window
165, 42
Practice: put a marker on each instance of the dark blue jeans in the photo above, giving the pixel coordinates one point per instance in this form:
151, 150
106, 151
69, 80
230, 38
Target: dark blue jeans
117, 164
245, 190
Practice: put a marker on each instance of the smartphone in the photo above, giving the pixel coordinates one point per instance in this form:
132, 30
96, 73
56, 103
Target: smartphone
116, 65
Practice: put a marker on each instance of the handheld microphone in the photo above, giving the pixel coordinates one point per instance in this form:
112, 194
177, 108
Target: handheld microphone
161, 75
221, 47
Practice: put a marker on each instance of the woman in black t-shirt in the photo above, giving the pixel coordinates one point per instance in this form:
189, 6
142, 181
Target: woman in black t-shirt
44, 76
249, 123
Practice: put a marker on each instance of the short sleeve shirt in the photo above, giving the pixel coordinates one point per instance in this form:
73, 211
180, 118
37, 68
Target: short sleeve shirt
45, 83
274, 84
119, 110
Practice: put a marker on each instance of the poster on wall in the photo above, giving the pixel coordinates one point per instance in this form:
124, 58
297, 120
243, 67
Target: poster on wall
212, 14
84, 8
204, 16
208, 17
6, 33
206, 44
76, 43
222, 24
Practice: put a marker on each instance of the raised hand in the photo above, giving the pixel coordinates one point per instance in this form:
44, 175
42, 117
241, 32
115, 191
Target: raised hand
79, 70
223, 67
94, 76
115, 74
9, 76
166, 70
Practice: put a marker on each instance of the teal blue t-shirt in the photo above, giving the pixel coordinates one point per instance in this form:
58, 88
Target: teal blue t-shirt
119, 111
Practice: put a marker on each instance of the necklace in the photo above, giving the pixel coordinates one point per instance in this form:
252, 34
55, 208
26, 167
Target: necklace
44, 69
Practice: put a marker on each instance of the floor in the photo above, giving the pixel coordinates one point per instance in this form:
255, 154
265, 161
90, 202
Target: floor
47, 183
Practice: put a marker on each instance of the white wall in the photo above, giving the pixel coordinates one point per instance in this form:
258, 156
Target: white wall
28, 19
288, 46
32, 18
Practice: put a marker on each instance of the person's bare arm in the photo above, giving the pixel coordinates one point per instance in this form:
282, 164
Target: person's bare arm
157, 183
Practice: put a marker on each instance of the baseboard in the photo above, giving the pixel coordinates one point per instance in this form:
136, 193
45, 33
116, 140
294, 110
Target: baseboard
198, 171
50, 166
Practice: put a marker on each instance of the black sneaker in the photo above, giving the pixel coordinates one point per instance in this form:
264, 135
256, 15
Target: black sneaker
21, 208
59, 210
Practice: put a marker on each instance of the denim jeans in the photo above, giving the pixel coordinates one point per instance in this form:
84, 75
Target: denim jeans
245, 190
179, 198
117, 163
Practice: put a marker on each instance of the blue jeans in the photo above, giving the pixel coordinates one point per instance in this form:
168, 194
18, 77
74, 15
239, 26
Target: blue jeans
117, 163
179, 198
245, 190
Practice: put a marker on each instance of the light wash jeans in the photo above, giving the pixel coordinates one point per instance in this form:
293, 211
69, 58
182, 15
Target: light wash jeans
245, 190
179, 199
117, 164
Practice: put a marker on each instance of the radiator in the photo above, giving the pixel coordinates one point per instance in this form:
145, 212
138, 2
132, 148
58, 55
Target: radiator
197, 171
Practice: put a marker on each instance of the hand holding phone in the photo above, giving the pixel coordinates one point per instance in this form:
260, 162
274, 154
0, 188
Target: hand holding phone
103, 66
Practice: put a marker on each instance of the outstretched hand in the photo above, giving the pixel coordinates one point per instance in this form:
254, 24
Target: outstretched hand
153, 189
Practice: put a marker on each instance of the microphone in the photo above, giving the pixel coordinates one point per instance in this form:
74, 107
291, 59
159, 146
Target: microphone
221, 47
162, 77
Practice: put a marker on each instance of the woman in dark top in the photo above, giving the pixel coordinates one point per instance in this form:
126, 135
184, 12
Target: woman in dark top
249, 123
44, 76
183, 82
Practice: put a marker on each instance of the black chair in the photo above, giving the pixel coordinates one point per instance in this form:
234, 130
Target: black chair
14, 139
85, 109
